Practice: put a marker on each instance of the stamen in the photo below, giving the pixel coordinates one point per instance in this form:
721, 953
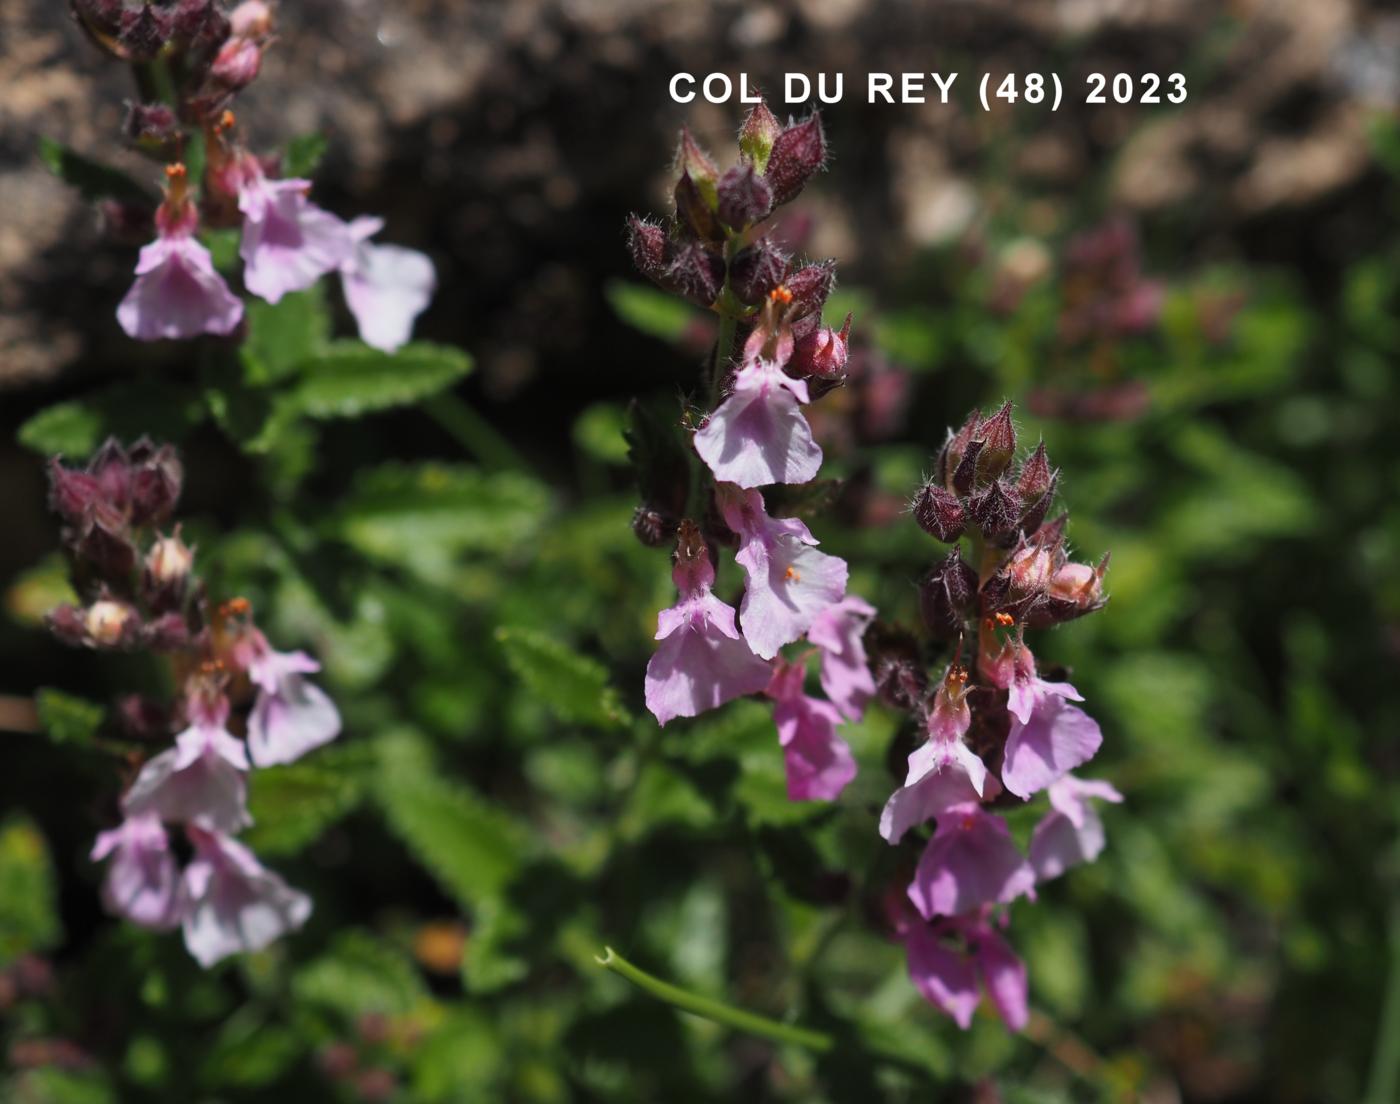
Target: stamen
780, 294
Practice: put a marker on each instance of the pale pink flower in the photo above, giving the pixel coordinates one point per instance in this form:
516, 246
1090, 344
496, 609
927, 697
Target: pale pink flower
971, 861
789, 582
142, 879
291, 715
818, 762
201, 780
1071, 832
231, 902
386, 286
838, 631
288, 242
177, 293
702, 662
1048, 736
943, 771
948, 957
758, 435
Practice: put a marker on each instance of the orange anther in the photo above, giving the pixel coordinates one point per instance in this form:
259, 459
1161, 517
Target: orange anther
226, 120
175, 171
1004, 619
235, 607
780, 294
792, 576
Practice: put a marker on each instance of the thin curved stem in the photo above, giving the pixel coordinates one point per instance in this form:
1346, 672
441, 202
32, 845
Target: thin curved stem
1383, 1085
748, 1022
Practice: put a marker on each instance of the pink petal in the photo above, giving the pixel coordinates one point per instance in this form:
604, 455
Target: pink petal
971, 861
818, 762
177, 294
758, 435
1058, 738
386, 288
946, 978
838, 631
1005, 977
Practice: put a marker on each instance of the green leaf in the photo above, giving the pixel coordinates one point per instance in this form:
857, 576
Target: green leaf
303, 154
28, 893
424, 517
93, 179
68, 719
38, 590
359, 975
223, 248
600, 432
573, 686
285, 334
75, 428
351, 379
649, 309
293, 805
471, 849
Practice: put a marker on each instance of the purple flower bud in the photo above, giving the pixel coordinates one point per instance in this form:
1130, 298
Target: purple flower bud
951, 456
965, 474
103, 545
697, 273
167, 633
1034, 514
901, 677
810, 285
200, 22
1035, 476
156, 480
153, 123
756, 271
756, 137
947, 595
99, 16
998, 436
995, 510
652, 527
67, 623
694, 213
823, 352
144, 31
71, 493
649, 247
237, 63
143, 718
744, 197
939, 513
798, 152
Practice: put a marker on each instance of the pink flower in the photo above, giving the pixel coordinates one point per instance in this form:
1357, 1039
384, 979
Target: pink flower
141, 883
943, 771
702, 661
288, 242
291, 716
231, 902
818, 762
177, 293
947, 958
1048, 736
971, 861
1071, 833
846, 677
758, 435
386, 286
789, 582
198, 781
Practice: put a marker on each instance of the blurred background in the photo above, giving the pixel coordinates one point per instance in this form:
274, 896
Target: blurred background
1197, 307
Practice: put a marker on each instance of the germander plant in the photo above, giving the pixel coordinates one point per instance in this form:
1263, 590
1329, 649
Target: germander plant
994, 732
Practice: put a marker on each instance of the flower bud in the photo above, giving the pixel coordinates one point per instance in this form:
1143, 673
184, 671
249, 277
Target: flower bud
810, 285
200, 23
152, 126
99, 16
143, 718
109, 624
744, 197
251, 19
71, 493
156, 480
823, 352
939, 513
998, 436
797, 153
950, 458
694, 213
897, 665
1079, 583
67, 623
167, 573
697, 273
1028, 570
995, 510
1034, 514
947, 596
1035, 476
103, 545
237, 63
694, 162
144, 31
756, 137
965, 474
756, 271
649, 247
169, 632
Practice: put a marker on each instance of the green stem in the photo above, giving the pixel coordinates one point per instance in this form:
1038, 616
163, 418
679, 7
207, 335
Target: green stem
474, 433
724, 345
714, 1010
1383, 1086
